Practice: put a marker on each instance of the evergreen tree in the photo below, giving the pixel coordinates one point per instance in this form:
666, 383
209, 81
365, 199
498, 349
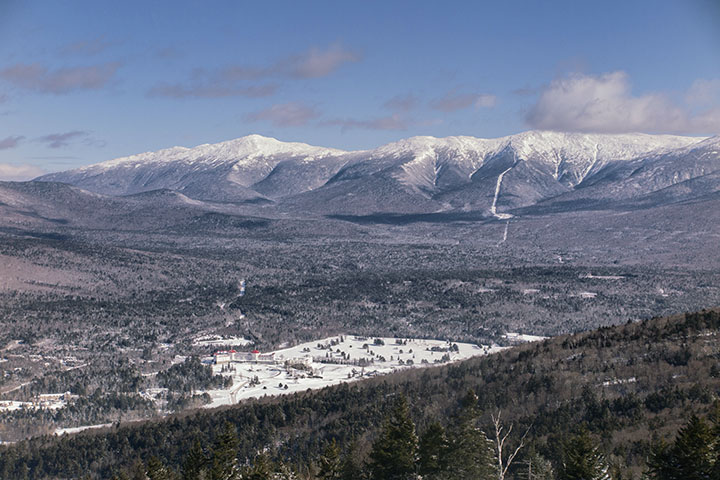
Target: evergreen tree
394, 452
715, 432
582, 460
261, 469
156, 470
349, 469
284, 472
195, 464
470, 453
224, 464
432, 451
690, 457
138, 471
330, 462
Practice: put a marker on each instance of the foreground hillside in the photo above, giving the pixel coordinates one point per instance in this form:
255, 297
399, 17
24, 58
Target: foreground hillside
626, 385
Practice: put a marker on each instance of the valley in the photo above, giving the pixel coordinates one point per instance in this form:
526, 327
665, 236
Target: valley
113, 302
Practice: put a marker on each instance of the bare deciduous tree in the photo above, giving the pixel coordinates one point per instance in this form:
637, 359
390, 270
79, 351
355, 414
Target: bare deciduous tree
500, 438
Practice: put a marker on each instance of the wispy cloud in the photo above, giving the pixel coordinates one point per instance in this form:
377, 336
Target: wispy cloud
55, 157
604, 103
402, 103
318, 62
14, 173
39, 78
3, 98
453, 101
59, 140
232, 80
390, 122
93, 46
10, 142
169, 52
292, 114
211, 90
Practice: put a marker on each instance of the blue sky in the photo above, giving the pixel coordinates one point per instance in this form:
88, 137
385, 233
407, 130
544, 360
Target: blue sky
87, 81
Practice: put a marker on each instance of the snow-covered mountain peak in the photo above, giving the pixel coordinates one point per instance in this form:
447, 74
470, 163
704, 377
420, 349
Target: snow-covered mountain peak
239, 150
258, 145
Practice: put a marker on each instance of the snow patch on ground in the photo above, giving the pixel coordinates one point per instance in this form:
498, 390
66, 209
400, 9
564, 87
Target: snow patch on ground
61, 431
603, 277
520, 337
587, 294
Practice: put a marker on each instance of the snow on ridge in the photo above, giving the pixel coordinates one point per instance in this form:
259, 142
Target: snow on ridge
417, 162
470, 151
575, 155
244, 148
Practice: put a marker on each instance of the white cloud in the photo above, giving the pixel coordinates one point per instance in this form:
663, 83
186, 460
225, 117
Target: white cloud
19, 172
704, 92
605, 104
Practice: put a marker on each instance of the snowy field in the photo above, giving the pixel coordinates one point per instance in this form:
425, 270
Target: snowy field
335, 360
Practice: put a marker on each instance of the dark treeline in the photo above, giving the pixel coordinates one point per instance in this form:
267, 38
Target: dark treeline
623, 387
459, 451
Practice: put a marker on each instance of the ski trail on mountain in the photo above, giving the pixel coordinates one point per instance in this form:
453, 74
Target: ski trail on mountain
493, 207
505, 234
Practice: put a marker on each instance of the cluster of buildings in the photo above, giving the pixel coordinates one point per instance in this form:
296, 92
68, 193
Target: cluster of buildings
227, 356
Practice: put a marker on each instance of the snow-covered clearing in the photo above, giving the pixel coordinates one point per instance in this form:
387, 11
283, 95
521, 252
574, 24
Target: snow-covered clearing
505, 233
335, 360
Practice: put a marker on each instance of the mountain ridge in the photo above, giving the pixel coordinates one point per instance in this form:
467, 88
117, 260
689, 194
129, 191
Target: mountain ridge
414, 175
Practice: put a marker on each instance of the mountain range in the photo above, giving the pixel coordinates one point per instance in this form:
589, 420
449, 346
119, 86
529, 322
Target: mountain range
535, 171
